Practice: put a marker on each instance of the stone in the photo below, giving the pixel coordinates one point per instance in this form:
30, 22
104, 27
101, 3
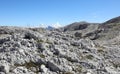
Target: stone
78, 34
43, 68
2, 73
52, 66
4, 66
20, 70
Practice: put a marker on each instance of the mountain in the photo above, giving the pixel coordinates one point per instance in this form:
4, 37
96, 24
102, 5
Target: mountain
110, 29
79, 48
113, 20
77, 26
49, 28
112, 23
84, 28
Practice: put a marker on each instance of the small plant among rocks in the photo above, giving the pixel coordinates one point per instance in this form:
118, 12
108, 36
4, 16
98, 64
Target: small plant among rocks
100, 50
67, 73
42, 55
48, 41
39, 41
29, 65
78, 69
89, 56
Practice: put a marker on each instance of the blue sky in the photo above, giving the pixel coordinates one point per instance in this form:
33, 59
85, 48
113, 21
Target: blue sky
36, 12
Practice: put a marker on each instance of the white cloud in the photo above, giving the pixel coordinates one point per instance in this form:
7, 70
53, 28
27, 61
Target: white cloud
57, 25
43, 25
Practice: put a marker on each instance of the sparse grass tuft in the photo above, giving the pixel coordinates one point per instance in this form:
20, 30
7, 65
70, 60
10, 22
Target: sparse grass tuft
89, 57
100, 50
42, 55
71, 50
78, 69
67, 73
29, 65
39, 41
48, 41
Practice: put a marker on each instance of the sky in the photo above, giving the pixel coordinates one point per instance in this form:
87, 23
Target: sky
56, 12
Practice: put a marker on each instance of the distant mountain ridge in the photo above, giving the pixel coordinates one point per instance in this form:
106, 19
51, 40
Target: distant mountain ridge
83, 25
78, 26
108, 29
113, 20
49, 28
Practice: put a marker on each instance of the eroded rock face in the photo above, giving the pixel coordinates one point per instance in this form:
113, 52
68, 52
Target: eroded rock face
53, 52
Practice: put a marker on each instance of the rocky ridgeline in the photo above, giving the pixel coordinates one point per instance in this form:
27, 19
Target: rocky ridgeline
39, 51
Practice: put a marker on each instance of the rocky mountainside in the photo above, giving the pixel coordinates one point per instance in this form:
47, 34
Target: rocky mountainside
110, 29
78, 26
114, 20
90, 49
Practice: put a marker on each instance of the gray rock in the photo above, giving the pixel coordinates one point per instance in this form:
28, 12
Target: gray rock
52, 66
43, 68
78, 34
2, 73
22, 70
4, 66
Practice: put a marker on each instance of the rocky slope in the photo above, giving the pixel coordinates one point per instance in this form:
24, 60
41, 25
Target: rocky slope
78, 26
40, 51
